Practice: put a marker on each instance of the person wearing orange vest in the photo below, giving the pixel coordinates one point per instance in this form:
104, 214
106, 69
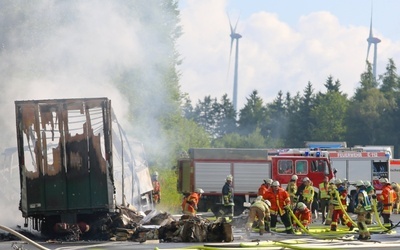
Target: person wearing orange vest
263, 189
387, 197
324, 197
156, 188
190, 204
337, 211
280, 203
303, 214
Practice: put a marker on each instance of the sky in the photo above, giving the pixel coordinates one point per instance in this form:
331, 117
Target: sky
285, 44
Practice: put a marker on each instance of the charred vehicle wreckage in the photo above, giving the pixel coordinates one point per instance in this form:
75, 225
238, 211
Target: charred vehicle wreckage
81, 177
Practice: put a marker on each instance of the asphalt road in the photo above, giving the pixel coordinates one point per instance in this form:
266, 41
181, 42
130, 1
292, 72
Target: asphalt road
386, 241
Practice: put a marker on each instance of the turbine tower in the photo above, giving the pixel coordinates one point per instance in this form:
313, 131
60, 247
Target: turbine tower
235, 36
373, 40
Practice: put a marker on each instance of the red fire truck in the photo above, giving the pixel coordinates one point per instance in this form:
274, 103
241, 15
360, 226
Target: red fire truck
207, 168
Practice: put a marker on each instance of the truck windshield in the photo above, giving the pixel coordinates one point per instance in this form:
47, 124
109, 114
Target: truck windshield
319, 166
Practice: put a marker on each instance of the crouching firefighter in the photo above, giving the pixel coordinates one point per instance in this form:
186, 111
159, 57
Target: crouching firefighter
362, 207
280, 204
260, 210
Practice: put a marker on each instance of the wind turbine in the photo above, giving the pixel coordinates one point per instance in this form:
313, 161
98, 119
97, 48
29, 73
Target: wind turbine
235, 36
373, 40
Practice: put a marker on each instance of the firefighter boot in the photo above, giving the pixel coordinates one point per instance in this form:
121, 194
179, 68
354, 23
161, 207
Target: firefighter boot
267, 227
333, 228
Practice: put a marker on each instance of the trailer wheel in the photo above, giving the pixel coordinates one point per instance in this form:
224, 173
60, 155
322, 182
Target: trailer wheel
239, 208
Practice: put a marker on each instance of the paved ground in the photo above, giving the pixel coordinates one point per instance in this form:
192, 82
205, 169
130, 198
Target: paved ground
266, 241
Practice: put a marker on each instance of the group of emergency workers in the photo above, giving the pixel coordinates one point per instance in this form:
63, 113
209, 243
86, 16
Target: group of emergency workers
274, 201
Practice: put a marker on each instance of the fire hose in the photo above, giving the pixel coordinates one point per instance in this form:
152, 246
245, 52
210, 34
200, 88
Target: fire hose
22, 237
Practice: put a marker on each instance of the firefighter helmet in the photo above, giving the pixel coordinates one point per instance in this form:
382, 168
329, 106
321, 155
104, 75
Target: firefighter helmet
268, 203
332, 181
294, 177
275, 184
384, 180
199, 191
301, 206
269, 181
306, 179
367, 183
359, 183
338, 181
259, 198
229, 178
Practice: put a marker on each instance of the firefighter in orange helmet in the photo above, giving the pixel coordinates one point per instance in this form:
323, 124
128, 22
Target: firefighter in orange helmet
280, 203
190, 204
387, 197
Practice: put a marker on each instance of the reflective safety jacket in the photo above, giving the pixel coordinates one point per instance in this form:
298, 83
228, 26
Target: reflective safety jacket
362, 203
308, 193
191, 203
387, 197
343, 198
156, 191
227, 194
262, 190
303, 216
278, 200
291, 188
323, 190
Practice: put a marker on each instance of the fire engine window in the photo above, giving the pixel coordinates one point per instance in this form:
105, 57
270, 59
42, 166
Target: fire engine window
301, 167
285, 167
318, 166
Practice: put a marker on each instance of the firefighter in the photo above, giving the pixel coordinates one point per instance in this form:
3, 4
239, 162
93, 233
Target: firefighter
303, 214
291, 188
324, 197
370, 191
280, 203
260, 210
156, 188
262, 190
190, 204
331, 206
338, 213
227, 198
308, 192
387, 197
361, 207
396, 205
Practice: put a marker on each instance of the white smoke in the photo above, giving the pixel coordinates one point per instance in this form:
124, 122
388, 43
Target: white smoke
78, 49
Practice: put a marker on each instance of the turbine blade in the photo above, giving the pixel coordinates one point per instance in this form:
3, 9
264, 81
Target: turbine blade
234, 30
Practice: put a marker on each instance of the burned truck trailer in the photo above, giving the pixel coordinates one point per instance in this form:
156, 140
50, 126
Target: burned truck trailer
67, 173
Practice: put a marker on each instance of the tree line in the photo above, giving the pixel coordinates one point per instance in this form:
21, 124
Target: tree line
369, 117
